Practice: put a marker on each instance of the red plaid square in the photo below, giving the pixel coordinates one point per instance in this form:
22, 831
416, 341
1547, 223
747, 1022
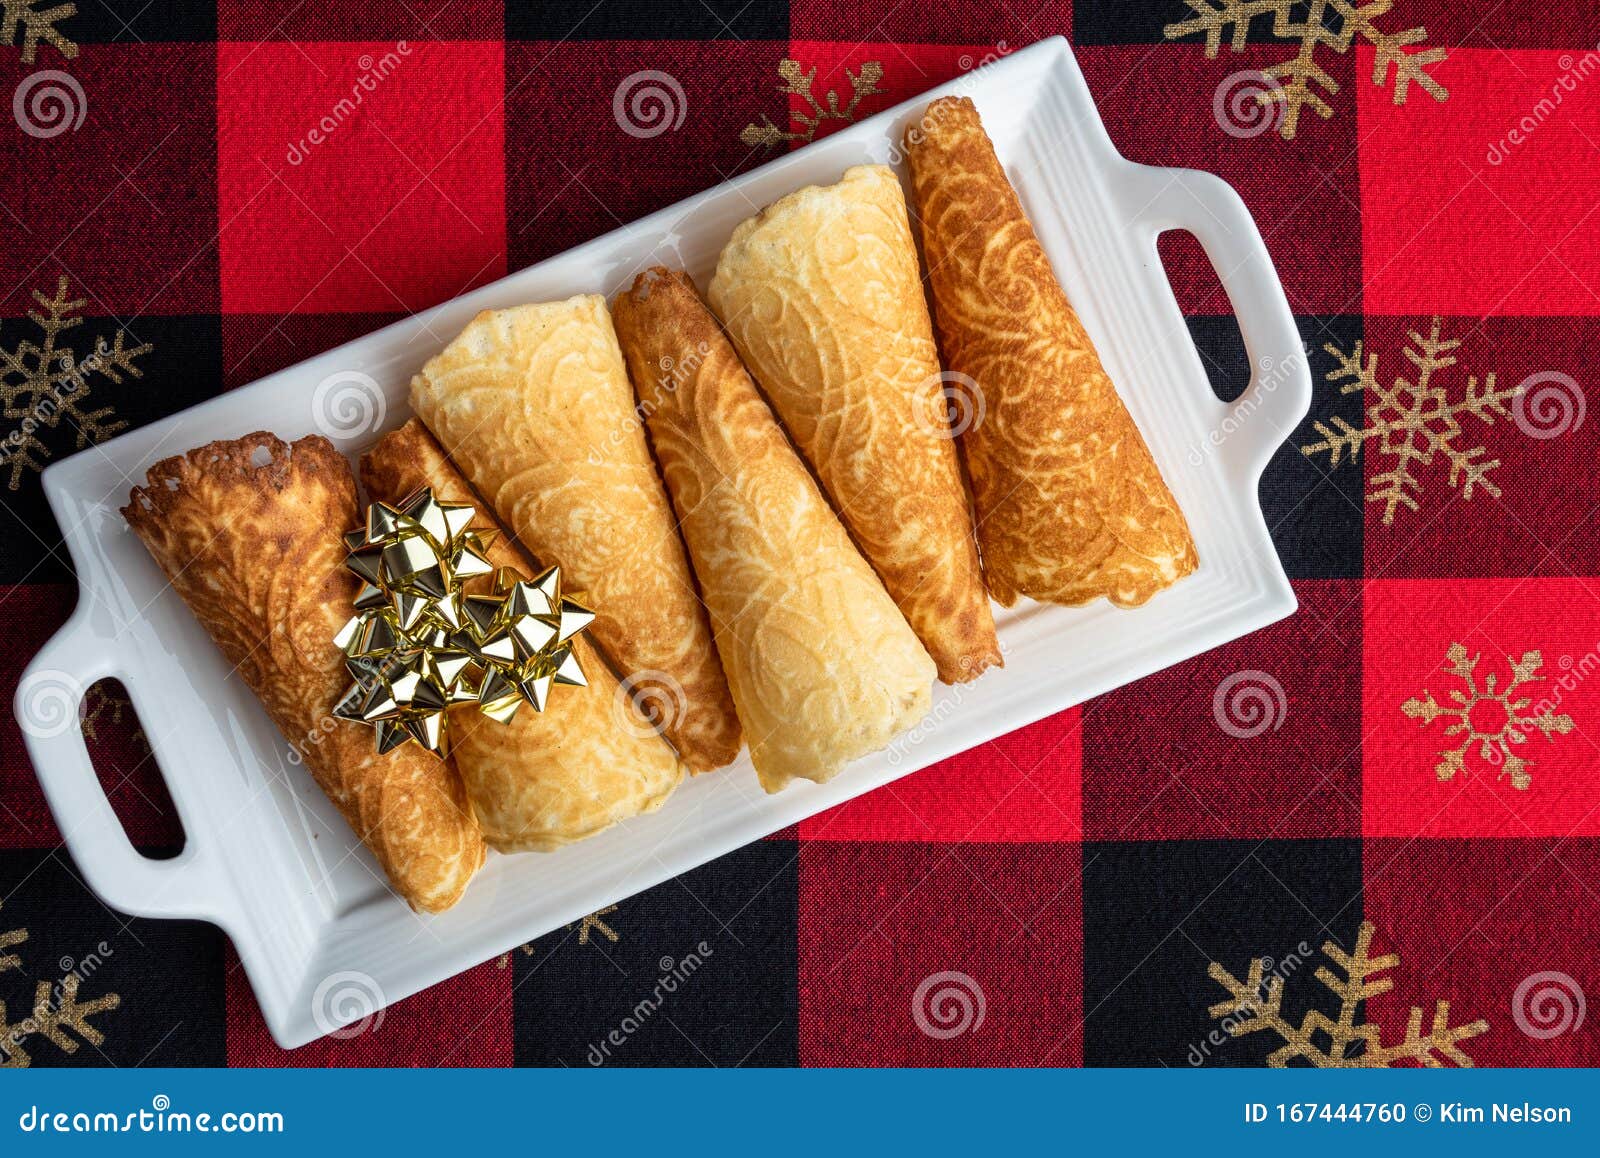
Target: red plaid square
940, 954
108, 186
962, 22
255, 345
1259, 738
1481, 701
639, 125
1170, 105
1499, 26
358, 177
1021, 787
465, 1021
1490, 408
369, 20
1488, 202
1503, 930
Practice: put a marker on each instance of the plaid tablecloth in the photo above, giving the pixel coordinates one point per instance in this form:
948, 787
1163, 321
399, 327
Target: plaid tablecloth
1392, 797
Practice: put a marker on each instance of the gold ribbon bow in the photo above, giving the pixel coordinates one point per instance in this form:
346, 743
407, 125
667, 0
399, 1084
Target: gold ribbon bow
419, 644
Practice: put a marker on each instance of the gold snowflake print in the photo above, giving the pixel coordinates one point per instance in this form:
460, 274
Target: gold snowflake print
1346, 1040
798, 82
1412, 425
54, 1016
1490, 720
1334, 25
56, 1009
10, 940
593, 923
590, 924
45, 383
102, 707
22, 21
504, 961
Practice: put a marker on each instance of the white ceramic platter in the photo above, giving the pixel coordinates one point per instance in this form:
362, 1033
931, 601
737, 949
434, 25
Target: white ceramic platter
268, 858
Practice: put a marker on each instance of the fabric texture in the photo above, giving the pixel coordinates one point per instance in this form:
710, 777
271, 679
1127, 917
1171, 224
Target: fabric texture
1407, 771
